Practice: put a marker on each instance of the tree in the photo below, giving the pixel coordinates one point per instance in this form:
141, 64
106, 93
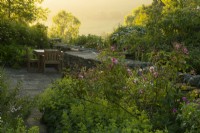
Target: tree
26, 11
66, 26
137, 17
39, 36
175, 21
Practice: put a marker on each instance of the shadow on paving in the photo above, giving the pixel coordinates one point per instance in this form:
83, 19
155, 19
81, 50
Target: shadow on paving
32, 83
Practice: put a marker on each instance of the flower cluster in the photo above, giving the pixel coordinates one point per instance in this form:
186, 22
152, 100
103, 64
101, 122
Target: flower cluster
185, 100
180, 47
80, 76
129, 71
174, 110
14, 109
153, 71
113, 48
114, 60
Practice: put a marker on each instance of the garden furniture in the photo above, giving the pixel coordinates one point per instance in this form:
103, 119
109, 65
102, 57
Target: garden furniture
52, 57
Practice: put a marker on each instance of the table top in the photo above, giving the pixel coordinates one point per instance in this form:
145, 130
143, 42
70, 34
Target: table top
39, 50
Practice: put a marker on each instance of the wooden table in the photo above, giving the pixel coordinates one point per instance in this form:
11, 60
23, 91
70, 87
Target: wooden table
38, 52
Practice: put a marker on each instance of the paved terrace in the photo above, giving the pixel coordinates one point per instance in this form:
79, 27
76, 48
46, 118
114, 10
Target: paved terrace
32, 84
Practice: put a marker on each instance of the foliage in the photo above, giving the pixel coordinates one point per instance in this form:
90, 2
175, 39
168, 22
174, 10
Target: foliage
189, 115
94, 101
73, 113
137, 17
25, 11
14, 36
13, 32
158, 93
174, 24
165, 22
114, 98
12, 55
38, 37
130, 39
89, 41
13, 107
66, 26
20, 128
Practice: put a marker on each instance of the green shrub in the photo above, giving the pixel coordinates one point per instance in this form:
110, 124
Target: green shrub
14, 36
38, 36
13, 55
14, 108
89, 41
194, 59
113, 98
19, 127
13, 32
189, 115
131, 40
71, 106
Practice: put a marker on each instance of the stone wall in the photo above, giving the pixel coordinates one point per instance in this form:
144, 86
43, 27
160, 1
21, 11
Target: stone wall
76, 62
192, 80
89, 59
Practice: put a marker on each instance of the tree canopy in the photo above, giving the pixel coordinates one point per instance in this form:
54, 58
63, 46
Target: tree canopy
66, 26
27, 11
137, 17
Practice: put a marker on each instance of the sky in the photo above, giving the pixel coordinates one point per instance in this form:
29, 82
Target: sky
97, 16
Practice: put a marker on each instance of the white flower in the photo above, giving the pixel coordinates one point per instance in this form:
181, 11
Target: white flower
151, 69
13, 109
135, 80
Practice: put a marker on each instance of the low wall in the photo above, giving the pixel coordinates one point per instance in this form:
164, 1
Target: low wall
72, 62
192, 80
79, 59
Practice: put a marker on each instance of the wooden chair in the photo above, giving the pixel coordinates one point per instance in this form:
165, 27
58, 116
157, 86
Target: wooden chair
32, 60
54, 57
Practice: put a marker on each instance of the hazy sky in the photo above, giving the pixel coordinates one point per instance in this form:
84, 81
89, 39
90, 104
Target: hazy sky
96, 16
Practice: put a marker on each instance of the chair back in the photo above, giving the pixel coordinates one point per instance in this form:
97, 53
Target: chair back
52, 55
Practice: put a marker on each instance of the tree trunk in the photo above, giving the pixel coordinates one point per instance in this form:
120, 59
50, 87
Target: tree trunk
9, 8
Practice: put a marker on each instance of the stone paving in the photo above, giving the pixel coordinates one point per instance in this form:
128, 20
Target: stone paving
32, 83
